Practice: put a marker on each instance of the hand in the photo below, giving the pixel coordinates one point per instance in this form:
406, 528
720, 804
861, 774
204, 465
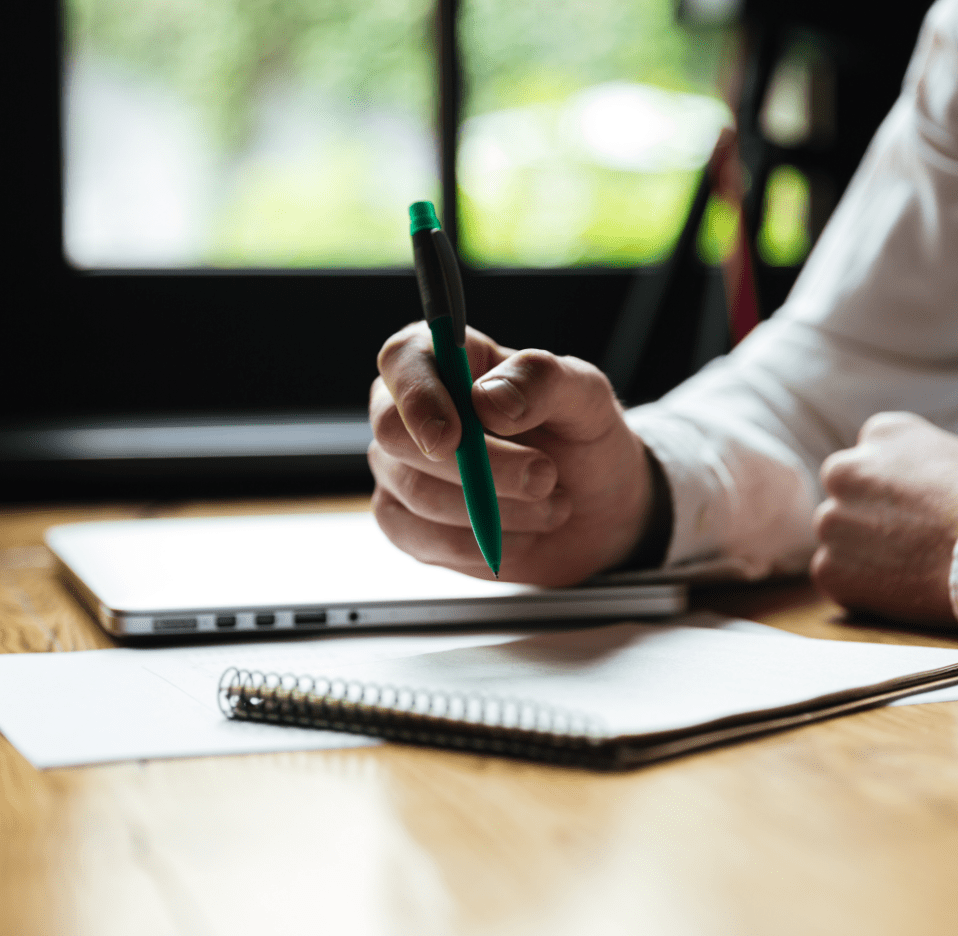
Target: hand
889, 526
573, 481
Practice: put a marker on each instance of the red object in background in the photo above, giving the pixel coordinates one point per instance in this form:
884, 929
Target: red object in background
725, 172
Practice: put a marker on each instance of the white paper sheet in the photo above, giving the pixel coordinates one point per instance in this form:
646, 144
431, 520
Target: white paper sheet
98, 706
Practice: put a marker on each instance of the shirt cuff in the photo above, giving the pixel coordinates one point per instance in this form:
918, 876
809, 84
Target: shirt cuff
741, 509
699, 495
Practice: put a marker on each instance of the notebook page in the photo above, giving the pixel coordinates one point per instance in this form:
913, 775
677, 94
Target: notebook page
637, 679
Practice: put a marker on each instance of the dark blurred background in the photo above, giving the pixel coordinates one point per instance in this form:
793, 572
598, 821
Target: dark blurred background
207, 207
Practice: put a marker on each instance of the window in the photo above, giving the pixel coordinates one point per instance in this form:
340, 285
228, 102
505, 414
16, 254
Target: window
586, 128
239, 134
207, 201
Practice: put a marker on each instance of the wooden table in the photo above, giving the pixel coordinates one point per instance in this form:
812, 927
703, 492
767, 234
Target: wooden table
845, 827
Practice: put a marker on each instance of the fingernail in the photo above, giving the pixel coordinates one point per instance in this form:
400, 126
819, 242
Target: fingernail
540, 478
430, 432
504, 396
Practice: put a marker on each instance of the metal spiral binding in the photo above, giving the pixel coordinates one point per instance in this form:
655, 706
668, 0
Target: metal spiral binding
453, 720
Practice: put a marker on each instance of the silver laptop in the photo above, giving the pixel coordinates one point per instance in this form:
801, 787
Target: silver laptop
303, 572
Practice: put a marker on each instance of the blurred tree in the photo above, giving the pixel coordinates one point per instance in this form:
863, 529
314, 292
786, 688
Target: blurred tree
536, 51
215, 54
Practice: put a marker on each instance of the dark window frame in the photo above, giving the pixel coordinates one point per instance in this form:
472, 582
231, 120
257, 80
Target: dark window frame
230, 341
138, 343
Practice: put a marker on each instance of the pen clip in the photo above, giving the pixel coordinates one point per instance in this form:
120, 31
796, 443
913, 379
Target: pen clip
449, 264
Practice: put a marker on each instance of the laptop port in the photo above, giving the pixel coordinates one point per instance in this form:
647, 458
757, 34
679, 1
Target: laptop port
265, 620
309, 618
175, 624
226, 620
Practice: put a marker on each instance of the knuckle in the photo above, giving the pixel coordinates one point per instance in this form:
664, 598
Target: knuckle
841, 473
392, 347
820, 568
828, 576
586, 371
559, 512
382, 464
396, 345
373, 455
385, 508
826, 520
412, 488
545, 369
596, 383
595, 400
376, 390
388, 427
535, 364
887, 423
534, 478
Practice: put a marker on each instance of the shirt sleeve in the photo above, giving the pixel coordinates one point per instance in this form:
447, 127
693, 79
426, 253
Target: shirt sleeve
871, 325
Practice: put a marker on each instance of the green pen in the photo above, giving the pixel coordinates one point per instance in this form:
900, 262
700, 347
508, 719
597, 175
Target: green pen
444, 305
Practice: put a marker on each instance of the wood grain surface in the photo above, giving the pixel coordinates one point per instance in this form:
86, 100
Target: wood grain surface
846, 827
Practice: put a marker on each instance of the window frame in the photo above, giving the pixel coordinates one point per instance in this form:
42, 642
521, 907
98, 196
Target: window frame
73, 336
272, 340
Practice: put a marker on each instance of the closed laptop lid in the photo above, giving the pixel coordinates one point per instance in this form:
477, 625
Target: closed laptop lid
144, 576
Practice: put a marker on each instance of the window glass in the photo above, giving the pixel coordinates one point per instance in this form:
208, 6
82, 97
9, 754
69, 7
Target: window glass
784, 238
246, 133
586, 127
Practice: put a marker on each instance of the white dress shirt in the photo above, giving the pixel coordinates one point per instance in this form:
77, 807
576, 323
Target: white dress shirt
870, 326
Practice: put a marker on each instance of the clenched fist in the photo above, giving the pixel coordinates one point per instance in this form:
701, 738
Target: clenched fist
889, 526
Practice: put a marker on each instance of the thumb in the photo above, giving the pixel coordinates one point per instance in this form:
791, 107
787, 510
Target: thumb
565, 395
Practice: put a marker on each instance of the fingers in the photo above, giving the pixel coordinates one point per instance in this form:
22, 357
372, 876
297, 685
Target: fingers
887, 553
837, 579
423, 405
514, 392
518, 471
894, 451
533, 388
843, 567
841, 473
450, 545
415, 394
442, 544
882, 425
528, 499
416, 431
841, 525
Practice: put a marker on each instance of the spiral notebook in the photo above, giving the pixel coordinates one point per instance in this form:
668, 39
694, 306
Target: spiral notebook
607, 698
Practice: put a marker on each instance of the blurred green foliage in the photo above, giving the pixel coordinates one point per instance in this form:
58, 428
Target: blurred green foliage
519, 52
217, 53
359, 55
541, 52
717, 233
289, 215
631, 218
784, 238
